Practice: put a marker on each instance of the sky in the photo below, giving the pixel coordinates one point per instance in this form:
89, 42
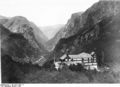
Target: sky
44, 12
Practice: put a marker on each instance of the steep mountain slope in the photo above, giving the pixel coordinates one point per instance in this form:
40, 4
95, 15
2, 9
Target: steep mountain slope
17, 47
52, 42
30, 31
65, 31
39, 35
73, 25
97, 29
17, 56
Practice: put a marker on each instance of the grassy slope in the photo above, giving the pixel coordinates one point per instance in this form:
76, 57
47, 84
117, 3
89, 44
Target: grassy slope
68, 76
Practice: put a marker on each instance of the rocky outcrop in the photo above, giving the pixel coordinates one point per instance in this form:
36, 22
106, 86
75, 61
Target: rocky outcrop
73, 25
97, 29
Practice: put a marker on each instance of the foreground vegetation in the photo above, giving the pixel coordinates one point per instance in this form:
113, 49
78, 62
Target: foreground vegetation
70, 76
14, 72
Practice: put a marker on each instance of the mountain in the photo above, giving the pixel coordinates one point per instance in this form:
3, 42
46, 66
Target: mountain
19, 24
50, 31
3, 19
64, 32
73, 25
97, 29
18, 47
52, 42
39, 35
52, 34
17, 56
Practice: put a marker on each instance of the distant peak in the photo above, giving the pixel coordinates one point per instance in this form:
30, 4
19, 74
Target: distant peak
77, 14
20, 18
2, 17
109, 0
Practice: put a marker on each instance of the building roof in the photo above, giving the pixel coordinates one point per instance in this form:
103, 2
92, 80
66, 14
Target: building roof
81, 55
63, 57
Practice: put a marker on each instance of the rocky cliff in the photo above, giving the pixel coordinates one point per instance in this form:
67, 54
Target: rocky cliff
65, 31
97, 29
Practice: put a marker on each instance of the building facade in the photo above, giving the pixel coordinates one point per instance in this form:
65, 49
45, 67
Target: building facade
88, 61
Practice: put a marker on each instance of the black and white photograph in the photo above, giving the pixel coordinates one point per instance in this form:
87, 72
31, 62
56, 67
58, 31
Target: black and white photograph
59, 42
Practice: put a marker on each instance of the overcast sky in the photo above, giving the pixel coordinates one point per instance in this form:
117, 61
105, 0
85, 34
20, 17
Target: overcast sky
44, 12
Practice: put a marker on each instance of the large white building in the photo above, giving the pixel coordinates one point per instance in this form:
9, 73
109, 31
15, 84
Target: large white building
88, 61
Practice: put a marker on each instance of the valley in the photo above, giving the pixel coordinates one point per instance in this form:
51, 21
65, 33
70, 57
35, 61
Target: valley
29, 52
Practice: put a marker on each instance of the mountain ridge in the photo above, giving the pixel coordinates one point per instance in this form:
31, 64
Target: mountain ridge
20, 24
93, 30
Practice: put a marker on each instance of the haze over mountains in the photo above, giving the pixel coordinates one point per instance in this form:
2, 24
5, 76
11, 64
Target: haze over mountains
47, 32
19, 23
2, 17
50, 31
64, 32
